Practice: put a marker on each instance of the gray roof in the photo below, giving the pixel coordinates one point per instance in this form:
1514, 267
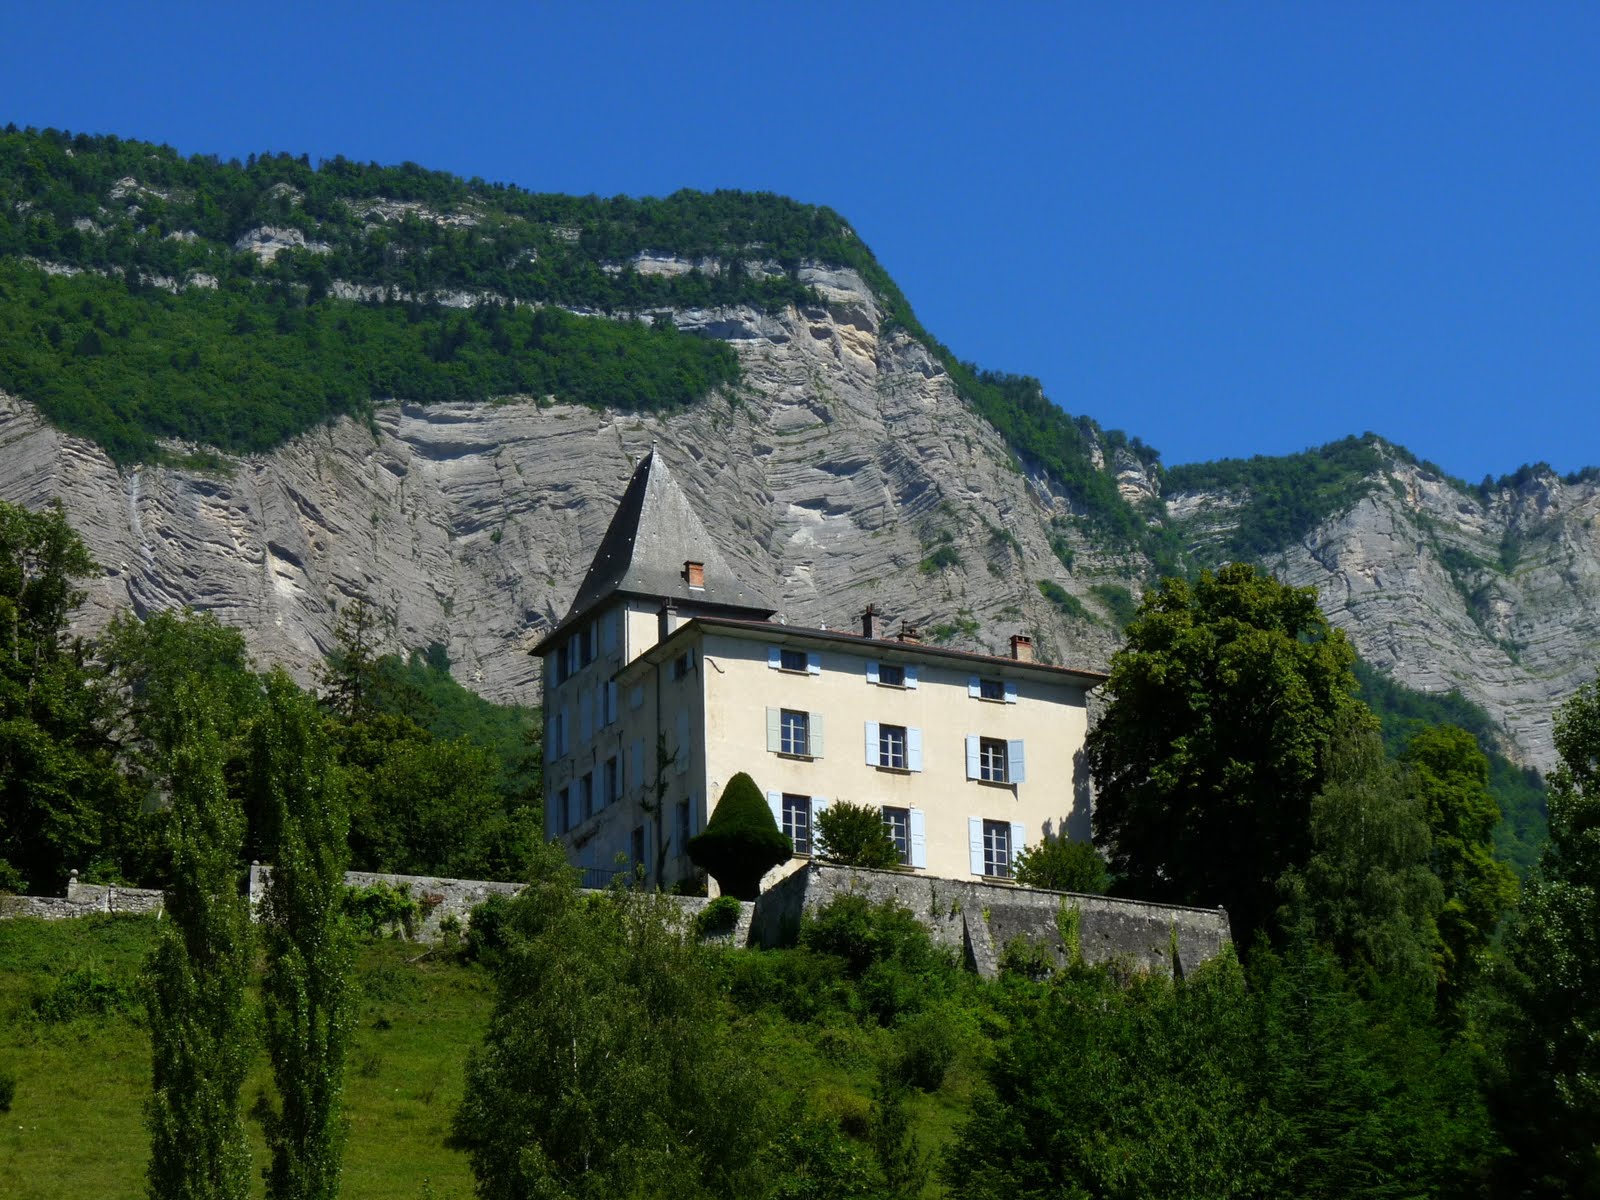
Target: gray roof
654, 532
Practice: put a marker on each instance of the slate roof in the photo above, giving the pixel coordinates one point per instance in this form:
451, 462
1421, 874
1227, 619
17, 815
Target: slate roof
654, 531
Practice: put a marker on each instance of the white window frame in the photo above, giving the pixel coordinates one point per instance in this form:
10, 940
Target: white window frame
794, 732
897, 824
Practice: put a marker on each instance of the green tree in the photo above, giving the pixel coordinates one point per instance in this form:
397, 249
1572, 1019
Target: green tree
1550, 1106
741, 842
310, 1010
1367, 890
63, 804
610, 1067
1451, 777
854, 835
1060, 864
1215, 739
200, 1028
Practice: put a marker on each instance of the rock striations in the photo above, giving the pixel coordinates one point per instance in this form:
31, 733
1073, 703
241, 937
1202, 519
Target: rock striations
843, 470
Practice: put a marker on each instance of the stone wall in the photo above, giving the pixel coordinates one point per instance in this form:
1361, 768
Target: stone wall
977, 920
81, 900
436, 898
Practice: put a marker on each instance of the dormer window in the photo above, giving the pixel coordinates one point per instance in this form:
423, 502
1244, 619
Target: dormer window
695, 573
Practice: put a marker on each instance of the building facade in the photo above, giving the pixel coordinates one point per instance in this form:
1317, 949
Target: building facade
668, 676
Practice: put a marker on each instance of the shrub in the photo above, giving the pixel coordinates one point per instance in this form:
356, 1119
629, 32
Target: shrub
855, 836
861, 933
928, 1045
800, 984
381, 909
1062, 865
741, 842
85, 991
717, 917
489, 930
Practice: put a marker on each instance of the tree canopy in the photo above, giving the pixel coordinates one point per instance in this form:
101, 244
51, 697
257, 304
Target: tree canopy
1215, 739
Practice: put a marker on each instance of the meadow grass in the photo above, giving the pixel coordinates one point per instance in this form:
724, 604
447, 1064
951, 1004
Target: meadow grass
76, 1125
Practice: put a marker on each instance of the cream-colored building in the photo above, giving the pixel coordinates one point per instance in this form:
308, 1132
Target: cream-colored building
668, 676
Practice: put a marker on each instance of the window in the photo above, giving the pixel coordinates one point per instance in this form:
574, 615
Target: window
588, 643
685, 826
792, 660
890, 675
992, 760
561, 663
794, 732
586, 797
797, 821
563, 817
680, 666
613, 782
997, 849
637, 846
991, 689
892, 746
897, 822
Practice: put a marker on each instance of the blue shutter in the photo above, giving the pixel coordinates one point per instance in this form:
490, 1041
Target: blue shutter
608, 632
813, 664
775, 730
775, 803
774, 657
638, 762
814, 730
585, 716
972, 757
914, 749
1016, 767
974, 687
918, 826
1019, 843
611, 703
872, 672
683, 741
911, 678
872, 743
566, 731
1011, 692
975, 843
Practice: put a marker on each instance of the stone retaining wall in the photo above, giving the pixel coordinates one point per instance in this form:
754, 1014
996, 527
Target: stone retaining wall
81, 900
978, 920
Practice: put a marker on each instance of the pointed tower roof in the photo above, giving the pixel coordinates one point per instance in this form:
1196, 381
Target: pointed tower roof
653, 533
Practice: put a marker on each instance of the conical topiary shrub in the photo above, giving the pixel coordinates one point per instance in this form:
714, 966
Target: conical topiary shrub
741, 842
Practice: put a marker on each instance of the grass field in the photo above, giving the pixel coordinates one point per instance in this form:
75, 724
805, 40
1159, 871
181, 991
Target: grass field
75, 1130
76, 1125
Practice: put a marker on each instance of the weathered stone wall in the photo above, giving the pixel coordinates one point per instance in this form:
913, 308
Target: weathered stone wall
436, 898
81, 900
977, 920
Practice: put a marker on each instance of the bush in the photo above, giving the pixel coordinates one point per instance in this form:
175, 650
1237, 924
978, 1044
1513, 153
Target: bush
1062, 865
489, 930
928, 1044
804, 986
85, 991
381, 909
854, 835
741, 842
717, 917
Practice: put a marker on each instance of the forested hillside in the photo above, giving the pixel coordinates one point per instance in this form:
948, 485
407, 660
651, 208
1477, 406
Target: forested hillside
209, 281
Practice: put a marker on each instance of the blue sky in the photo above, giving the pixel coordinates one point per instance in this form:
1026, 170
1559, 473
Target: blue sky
1227, 228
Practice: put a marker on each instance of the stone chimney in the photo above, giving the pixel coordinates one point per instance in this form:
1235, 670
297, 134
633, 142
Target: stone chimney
695, 573
869, 621
1021, 647
667, 620
909, 634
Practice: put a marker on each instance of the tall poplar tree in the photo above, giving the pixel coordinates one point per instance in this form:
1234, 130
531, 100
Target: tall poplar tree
200, 1028
307, 990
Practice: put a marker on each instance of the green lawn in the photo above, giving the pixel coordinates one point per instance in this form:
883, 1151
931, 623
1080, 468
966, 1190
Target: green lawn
76, 1126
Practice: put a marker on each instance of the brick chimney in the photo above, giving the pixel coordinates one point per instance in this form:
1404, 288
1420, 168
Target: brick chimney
695, 573
909, 634
869, 621
1021, 647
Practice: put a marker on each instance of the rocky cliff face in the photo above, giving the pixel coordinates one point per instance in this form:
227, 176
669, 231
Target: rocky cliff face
842, 465
1443, 588
843, 470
